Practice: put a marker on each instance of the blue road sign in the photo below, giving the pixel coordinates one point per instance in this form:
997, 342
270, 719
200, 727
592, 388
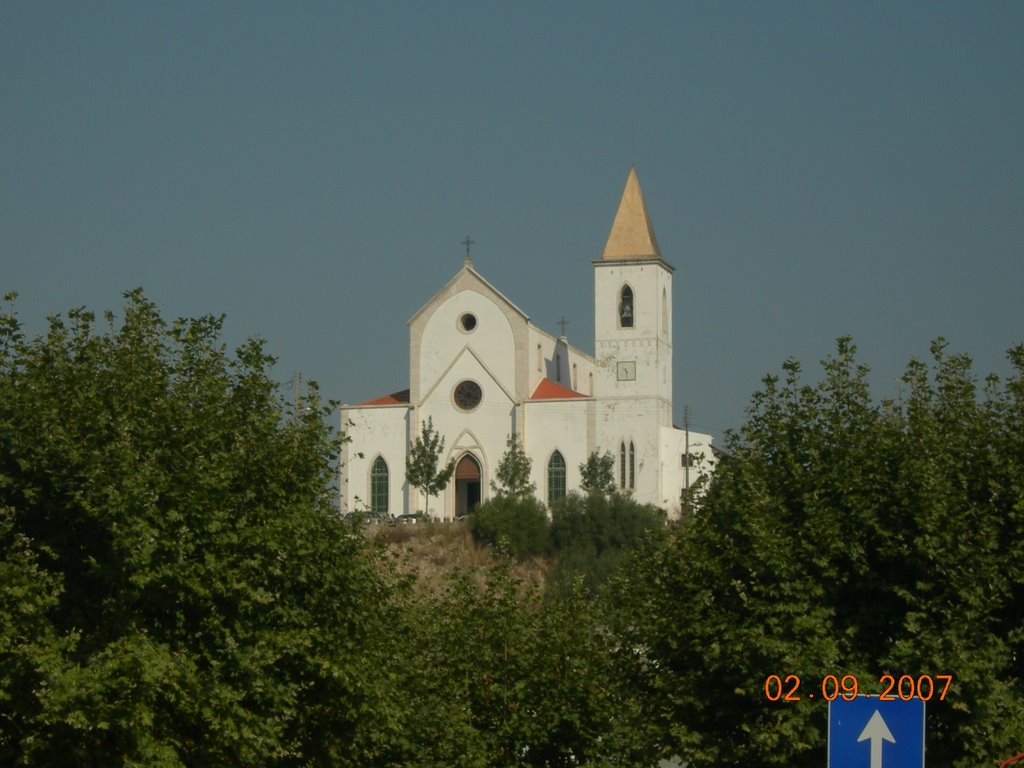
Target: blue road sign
869, 733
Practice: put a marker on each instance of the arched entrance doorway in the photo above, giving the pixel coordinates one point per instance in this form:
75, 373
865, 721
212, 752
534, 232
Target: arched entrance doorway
467, 485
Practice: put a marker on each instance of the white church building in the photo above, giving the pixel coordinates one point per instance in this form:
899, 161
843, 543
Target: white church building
481, 371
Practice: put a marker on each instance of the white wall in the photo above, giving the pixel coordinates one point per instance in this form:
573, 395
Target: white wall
485, 427
545, 354
443, 339
648, 342
634, 410
674, 474
373, 430
565, 425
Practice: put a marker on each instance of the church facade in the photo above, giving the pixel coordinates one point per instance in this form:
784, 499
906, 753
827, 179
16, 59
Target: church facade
481, 371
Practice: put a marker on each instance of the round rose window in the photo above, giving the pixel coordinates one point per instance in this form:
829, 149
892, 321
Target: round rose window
468, 395
467, 322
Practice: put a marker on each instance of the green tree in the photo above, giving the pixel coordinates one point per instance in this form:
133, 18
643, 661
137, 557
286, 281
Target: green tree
843, 536
513, 475
175, 585
29, 646
598, 473
592, 535
511, 679
518, 523
422, 470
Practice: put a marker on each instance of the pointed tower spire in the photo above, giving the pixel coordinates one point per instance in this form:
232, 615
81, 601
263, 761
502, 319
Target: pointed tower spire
632, 236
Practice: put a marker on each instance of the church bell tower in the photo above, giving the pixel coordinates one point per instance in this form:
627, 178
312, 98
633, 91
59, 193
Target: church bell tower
633, 345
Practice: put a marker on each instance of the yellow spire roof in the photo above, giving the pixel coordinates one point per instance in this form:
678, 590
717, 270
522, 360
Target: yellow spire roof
632, 236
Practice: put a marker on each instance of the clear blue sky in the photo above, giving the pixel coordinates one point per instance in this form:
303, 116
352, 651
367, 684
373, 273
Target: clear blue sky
812, 170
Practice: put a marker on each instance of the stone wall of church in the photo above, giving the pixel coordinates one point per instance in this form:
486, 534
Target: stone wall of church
562, 425
623, 422
466, 324
633, 370
555, 359
647, 343
674, 471
374, 431
481, 432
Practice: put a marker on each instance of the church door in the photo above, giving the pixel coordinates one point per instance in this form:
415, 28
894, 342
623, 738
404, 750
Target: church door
467, 485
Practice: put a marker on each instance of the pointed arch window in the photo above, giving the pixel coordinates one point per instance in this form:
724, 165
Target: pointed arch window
632, 465
556, 477
622, 465
379, 486
626, 313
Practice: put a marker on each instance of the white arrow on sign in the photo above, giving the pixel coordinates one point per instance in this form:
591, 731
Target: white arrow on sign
876, 730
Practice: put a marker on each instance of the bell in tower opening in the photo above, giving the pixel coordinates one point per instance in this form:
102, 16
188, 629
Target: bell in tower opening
626, 308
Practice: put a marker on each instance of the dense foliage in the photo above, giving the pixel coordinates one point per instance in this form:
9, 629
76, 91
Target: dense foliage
597, 473
592, 535
497, 676
177, 588
845, 537
519, 524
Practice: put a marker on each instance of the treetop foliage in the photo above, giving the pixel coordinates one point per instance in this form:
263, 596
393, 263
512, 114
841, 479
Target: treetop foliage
845, 536
598, 473
180, 589
517, 523
423, 469
513, 472
592, 535
177, 587
535, 680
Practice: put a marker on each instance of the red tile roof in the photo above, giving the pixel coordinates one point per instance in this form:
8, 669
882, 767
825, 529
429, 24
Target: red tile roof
395, 398
549, 390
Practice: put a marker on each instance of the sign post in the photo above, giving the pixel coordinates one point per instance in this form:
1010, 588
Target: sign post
868, 732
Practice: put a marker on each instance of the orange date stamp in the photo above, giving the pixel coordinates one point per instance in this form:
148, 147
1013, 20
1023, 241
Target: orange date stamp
904, 687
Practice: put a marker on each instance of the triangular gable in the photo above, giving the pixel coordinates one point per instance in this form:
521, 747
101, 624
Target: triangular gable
468, 350
476, 277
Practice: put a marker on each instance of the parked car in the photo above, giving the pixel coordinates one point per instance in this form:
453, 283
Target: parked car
368, 516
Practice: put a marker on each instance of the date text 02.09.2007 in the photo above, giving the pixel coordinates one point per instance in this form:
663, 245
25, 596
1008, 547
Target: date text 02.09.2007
905, 687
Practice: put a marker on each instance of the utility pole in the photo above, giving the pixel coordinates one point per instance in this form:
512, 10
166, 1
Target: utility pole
686, 458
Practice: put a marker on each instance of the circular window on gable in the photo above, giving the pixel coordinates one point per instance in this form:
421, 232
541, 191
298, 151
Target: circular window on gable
467, 322
468, 395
